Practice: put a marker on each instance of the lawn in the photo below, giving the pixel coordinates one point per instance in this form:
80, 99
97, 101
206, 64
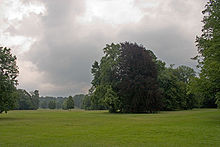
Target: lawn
199, 127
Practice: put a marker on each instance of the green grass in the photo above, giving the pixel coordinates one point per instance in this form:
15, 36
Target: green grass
199, 127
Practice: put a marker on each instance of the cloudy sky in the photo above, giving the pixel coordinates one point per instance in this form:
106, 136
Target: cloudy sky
57, 41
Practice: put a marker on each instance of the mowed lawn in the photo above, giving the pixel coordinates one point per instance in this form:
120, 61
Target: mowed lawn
199, 127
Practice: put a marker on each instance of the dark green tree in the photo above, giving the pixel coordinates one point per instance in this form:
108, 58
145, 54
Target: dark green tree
52, 104
8, 75
70, 103
138, 89
209, 52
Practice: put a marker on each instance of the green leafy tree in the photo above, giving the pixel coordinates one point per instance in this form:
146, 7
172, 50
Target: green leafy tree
174, 83
70, 103
209, 51
52, 104
112, 100
104, 76
8, 75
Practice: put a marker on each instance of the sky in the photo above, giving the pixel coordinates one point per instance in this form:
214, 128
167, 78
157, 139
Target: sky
56, 41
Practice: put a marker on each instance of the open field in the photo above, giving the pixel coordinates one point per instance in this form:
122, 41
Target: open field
199, 127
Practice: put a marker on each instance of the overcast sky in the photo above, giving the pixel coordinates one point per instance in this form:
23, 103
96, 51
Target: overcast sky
57, 41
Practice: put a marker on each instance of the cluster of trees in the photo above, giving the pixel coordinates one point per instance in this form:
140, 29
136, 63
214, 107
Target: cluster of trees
125, 80
26, 100
130, 78
61, 102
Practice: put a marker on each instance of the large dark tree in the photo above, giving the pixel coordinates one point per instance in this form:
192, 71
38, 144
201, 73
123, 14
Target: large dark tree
8, 75
137, 75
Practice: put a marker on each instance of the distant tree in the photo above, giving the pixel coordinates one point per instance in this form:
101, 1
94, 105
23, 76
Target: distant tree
209, 53
87, 104
8, 75
70, 103
78, 100
35, 99
52, 104
59, 104
64, 106
44, 105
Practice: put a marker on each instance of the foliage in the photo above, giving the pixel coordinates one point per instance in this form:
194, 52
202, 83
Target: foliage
52, 104
111, 100
174, 83
78, 100
103, 74
26, 100
70, 103
125, 80
23, 101
137, 76
8, 75
209, 52
44, 101
35, 99
87, 104
64, 106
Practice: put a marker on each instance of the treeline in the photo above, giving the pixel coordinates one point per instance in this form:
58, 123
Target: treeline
31, 101
48, 102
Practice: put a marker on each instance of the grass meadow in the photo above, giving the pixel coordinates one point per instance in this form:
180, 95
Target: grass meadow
199, 127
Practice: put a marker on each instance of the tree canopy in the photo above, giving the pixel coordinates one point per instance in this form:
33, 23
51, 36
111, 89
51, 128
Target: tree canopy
8, 81
209, 53
125, 80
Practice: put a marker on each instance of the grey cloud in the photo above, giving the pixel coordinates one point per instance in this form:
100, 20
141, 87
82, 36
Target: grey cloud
167, 43
66, 49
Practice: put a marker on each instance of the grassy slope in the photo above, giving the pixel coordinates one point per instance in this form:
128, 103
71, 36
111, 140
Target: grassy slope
199, 127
